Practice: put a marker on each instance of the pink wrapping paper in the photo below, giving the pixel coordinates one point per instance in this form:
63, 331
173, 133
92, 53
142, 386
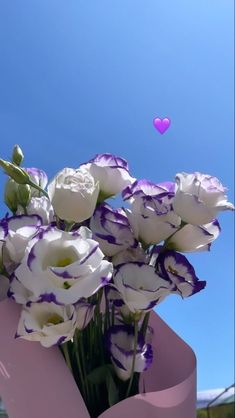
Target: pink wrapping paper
36, 383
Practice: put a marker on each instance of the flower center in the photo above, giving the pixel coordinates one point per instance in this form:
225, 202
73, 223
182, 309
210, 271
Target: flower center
66, 285
54, 319
63, 262
171, 270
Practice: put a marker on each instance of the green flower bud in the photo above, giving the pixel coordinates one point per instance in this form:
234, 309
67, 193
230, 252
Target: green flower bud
17, 155
10, 195
15, 172
24, 194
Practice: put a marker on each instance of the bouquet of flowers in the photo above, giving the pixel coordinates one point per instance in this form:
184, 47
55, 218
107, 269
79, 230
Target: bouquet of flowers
87, 275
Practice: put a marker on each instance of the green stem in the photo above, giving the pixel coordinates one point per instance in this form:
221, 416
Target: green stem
4, 272
64, 348
68, 226
84, 365
35, 186
79, 364
107, 314
133, 360
144, 325
113, 313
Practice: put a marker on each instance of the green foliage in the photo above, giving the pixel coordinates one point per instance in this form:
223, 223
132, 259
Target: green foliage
220, 411
112, 388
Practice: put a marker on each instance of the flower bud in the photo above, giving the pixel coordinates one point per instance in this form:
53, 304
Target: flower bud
17, 155
16, 173
10, 195
24, 194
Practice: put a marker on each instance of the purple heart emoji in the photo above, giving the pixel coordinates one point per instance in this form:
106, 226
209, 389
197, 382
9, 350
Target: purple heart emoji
161, 124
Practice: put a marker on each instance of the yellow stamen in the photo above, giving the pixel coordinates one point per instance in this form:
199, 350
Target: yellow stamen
63, 262
54, 319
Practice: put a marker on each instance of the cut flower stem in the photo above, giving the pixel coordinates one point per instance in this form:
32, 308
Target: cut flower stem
134, 357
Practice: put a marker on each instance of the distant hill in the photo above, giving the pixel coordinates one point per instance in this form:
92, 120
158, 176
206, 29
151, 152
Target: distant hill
206, 396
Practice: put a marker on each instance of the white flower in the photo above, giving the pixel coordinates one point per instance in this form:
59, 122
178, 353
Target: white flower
19, 230
111, 228
112, 173
3, 233
85, 312
199, 198
39, 177
48, 323
19, 293
151, 216
177, 269
120, 344
130, 255
73, 194
141, 288
194, 238
40, 206
63, 267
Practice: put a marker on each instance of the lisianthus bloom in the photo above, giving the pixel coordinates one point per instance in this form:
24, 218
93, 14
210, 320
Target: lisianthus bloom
177, 269
18, 292
3, 234
111, 228
140, 287
199, 198
144, 187
48, 323
40, 206
39, 177
130, 255
85, 312
120, 344
73, 194
111, 172
18, 231
151, 215
193, 238
63, 267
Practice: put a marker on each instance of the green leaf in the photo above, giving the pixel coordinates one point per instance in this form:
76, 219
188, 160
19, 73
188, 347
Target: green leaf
98, 375
113, 392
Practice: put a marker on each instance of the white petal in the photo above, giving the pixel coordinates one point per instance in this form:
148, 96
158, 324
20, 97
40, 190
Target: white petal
194, 238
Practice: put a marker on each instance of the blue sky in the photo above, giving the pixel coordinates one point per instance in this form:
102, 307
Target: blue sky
84, 77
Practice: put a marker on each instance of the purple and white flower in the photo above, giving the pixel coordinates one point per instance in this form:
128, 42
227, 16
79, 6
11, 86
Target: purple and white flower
151, 216
111, 228
85, 312
120, 344
3, 234
40, 206
140, 287
39, 177
111, 172
19, 293
193, 238
123, 314
129, 255
147, 188
74, 194
18, 231
176, 268
48, 323
63, 267
199, 198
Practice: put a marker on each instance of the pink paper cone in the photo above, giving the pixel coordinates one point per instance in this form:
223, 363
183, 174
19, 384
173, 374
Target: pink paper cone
36, 383
170, 383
